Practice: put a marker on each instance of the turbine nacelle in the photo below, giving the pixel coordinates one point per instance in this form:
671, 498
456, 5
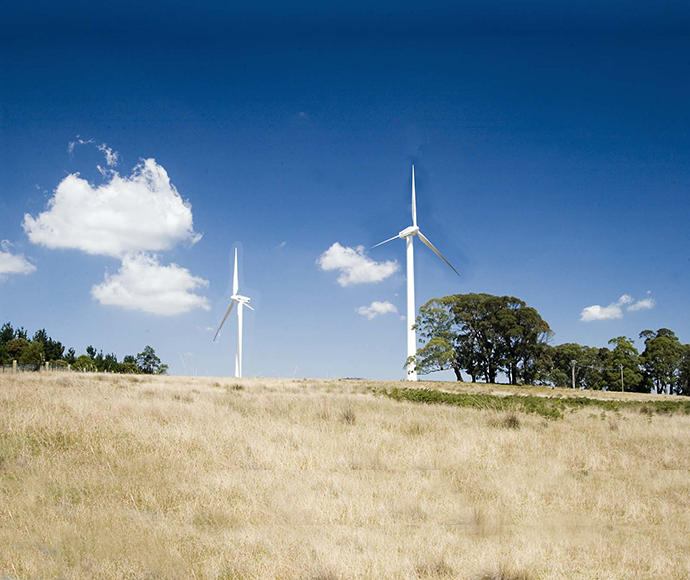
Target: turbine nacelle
407, 232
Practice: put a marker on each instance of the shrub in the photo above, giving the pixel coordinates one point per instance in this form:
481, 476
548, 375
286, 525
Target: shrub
548, 407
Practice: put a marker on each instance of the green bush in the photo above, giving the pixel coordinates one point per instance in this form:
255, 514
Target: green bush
549, 407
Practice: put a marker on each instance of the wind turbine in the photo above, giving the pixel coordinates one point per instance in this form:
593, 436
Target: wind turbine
242, 301
408, 234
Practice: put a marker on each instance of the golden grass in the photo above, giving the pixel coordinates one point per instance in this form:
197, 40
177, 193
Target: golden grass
130, 477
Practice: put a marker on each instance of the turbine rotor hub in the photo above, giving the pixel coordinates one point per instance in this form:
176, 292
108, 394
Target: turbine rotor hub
407, 232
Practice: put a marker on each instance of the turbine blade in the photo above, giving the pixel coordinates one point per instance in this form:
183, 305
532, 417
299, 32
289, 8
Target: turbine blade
227, 313
435, 251
250, 308
414, 201
235, 278
385, 242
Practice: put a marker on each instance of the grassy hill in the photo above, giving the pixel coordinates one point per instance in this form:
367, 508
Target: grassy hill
132, 477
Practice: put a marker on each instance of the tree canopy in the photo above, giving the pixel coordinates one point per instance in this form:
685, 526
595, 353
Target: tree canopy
482, 335
486, 336
15, 345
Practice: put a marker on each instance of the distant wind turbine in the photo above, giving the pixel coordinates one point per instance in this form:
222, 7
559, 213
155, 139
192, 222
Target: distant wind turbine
242, 301
407, 234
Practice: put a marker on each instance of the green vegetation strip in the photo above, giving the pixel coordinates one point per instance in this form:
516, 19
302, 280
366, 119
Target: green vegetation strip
549, 407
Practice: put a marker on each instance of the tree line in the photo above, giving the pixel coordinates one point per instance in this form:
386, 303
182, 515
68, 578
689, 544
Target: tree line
15, 344
485, 336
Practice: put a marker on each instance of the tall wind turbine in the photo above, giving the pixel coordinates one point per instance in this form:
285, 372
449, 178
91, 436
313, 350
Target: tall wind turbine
408, 234
242, 301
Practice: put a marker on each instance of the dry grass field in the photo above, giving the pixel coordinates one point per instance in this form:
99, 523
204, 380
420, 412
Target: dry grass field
132, 477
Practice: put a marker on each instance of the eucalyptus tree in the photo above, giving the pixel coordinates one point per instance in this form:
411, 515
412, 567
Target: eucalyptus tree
661, 359
623, 358
483, 335
683, 383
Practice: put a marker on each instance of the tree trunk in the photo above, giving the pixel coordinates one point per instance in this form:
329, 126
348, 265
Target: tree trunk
458, 373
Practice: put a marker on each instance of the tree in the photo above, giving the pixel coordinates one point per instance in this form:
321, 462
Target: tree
15, 347
84, 363
148, 361
99, 361
483, 335
32, 355
440, 352
128, 367
586, 361
683, 383
52, 349
40, 336
110, 363
6, 333
625, 355
70, 357
523, 333
661, 359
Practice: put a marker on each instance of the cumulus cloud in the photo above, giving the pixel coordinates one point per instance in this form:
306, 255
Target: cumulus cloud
614, 310
645, 304
375, 309
13, 263
140, 212
354, 266
142, 283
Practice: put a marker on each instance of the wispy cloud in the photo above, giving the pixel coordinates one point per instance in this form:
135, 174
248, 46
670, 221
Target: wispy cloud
139, 212
111, 157
13, 263
376, 309
78, 141
645, 304
355, 267
142, 283
614, 310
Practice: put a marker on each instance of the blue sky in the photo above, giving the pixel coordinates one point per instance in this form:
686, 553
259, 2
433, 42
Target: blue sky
550, 145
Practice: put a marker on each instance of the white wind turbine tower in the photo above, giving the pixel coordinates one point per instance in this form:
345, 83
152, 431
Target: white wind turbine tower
242, 301
407, 234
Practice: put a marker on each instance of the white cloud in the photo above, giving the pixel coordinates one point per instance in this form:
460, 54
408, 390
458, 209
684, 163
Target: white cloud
77, 141
140, 212
614, 310
375, 309
354, 266
143, 284
111, 157
645, 304
13, 263
282, 244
